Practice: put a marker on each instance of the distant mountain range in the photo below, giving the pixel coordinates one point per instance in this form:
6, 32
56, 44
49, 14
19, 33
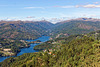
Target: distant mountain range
23, 29
75, 26
34, 29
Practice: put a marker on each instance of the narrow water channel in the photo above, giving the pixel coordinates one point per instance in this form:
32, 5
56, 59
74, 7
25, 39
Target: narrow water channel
30, 49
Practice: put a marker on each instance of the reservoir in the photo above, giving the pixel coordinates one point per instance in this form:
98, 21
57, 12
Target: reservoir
30, 49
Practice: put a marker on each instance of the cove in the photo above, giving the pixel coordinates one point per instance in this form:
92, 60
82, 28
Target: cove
30, 49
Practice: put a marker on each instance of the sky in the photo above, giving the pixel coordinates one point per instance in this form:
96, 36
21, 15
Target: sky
51, 10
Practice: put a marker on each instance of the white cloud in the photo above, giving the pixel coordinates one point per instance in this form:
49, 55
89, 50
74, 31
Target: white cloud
9, 19
88, 6
30, 17
64, 6
96, 2
91, 15
34, 8
95, 5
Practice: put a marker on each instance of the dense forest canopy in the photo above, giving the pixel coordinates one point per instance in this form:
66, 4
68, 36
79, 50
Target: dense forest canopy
76, 50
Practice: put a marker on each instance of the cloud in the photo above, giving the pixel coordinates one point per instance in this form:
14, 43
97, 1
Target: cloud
96, 2
30, 17
95, 5
91, 15
88, 6
64, 6
34, 8
9, 19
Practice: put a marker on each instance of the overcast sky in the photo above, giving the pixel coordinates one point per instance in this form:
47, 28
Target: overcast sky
52, 10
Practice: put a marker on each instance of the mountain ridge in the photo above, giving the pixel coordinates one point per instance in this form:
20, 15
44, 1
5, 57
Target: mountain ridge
75, 26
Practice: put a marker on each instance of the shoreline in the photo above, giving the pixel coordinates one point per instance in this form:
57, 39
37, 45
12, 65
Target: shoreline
28, 49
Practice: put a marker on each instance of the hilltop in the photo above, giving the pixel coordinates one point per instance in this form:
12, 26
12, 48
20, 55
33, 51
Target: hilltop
75, 26
23, 29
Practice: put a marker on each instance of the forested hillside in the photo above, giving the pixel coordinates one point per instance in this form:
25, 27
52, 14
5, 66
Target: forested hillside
14, 33
34, 29
79, 51
76, 26
23, 29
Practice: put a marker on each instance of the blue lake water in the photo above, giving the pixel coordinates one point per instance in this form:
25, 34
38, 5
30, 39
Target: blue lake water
30, 49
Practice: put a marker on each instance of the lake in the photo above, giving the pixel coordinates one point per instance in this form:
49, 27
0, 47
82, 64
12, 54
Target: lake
30, 49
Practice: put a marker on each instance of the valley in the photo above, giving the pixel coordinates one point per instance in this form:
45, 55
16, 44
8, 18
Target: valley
49, 33
19, 37
68, 51
26, 50
15, 33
